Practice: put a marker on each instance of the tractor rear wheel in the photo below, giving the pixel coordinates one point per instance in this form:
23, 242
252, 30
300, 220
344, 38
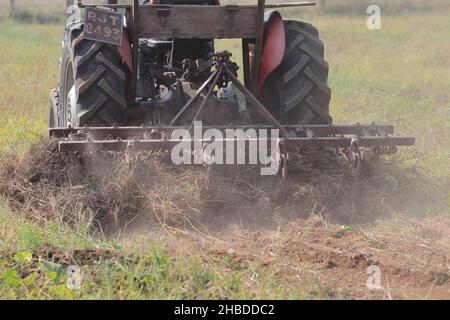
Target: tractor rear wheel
92, 83
297, 91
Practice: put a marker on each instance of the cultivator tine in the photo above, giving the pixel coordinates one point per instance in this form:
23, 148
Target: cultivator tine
354, 156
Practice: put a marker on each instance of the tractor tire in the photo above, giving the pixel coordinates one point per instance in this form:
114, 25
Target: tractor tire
92, 83
297, 91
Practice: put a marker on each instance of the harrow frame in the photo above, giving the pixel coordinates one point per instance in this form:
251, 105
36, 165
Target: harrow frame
348, 140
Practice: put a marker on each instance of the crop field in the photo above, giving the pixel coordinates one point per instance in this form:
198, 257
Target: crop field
315, 244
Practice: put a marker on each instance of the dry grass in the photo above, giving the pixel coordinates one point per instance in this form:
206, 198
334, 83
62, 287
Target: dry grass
107, 192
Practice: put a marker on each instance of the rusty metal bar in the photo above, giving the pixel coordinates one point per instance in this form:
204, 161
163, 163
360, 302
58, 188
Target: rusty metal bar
207, 96
246, 62
135, 28
137, 132
266, 6
289, 5
258, 47
158, 144
117, 145
331, 142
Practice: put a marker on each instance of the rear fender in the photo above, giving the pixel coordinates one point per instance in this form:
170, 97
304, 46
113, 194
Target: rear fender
274, 45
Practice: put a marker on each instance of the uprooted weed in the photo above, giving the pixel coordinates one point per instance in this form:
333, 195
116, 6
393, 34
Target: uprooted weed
105, 191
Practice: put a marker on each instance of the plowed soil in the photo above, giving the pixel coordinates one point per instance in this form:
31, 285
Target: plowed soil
323, 229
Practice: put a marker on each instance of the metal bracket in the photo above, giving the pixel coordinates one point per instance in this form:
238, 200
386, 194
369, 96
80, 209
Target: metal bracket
282, 159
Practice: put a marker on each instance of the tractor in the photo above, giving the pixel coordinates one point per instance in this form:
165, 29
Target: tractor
131, 74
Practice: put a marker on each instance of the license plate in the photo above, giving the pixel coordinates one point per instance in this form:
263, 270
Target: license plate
103, 25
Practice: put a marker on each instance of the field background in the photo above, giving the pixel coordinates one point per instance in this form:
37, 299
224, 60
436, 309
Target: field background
397, 75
